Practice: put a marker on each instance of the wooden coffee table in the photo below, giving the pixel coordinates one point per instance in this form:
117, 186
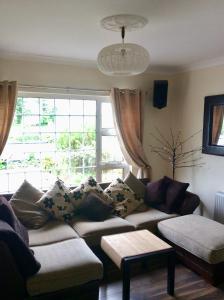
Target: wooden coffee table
129, 247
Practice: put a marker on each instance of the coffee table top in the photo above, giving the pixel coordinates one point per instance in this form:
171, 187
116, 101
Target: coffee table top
123, 245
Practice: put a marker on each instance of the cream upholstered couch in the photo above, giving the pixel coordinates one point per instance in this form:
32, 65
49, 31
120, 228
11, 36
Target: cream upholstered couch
68, 264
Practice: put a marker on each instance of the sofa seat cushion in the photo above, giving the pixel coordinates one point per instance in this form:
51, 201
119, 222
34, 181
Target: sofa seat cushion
53, 231
200, 236
148, 219
64, 265
92, 231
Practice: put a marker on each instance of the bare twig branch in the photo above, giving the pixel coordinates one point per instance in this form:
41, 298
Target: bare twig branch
189, 161
158, 140
164, 158
190, 166
164, 138
173, 152
172, 137
190, 137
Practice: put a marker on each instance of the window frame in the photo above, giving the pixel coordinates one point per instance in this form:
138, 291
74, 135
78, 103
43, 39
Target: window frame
99, 131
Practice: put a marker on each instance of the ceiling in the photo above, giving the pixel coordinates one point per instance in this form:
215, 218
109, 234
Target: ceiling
180, 34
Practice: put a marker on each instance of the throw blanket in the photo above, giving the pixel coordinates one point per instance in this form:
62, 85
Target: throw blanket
24, 258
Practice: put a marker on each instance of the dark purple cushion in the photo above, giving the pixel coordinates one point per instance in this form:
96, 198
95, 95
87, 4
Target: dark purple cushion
175, 194
189, 204
7, 214
156, 192
95, 208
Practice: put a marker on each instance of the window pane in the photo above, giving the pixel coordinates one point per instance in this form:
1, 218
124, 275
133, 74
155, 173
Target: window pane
34, 177
4, 181
47, 107
47, 178
47, 123
47, 138
76, 107
107, 116
31, 123
32, 138
62, 124
31, 160
62, 106
76, 160
18, 111
30, 106
89, 140
48, 162
89, 158
15, 180
76, 124
62, 165
111, 149
89, 172
109, 175
76, 140
89, 107
89, 124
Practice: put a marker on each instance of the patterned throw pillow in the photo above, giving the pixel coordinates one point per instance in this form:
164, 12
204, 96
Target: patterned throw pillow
78, 194
56, 201
125, 200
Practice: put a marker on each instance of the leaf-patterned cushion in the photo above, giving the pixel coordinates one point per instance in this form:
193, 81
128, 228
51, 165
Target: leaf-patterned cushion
78, 194
125, 200
57, 203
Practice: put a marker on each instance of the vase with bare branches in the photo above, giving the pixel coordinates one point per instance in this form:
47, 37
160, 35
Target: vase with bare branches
173, 150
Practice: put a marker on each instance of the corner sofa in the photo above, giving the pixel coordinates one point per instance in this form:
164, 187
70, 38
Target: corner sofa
66, 253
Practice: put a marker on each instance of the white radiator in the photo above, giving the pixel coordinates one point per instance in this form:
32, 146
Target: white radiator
219, 207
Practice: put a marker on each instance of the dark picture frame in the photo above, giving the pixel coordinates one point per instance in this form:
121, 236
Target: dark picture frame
207, 146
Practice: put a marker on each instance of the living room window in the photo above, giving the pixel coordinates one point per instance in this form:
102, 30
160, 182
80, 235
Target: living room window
70, 138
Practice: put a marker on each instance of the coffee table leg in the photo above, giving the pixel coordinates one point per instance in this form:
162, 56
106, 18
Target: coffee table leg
126, 280
171, 273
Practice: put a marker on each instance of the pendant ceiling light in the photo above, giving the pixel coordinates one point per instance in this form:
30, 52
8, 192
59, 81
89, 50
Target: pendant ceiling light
124, 59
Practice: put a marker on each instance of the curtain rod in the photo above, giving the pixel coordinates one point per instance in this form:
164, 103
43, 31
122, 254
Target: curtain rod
68, 88
61, 88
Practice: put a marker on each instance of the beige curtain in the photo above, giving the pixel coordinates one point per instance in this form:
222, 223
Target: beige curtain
8, 92
218, 113
127, 111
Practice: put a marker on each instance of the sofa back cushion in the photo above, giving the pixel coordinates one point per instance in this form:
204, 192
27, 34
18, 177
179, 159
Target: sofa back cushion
156, 192
175, 194
190, 203
136, 185
23, 202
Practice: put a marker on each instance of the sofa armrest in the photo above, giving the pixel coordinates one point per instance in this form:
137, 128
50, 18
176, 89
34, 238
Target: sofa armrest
190, 203
12, 285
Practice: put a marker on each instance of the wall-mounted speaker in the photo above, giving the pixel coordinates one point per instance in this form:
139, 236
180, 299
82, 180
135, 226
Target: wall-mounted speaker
160, 91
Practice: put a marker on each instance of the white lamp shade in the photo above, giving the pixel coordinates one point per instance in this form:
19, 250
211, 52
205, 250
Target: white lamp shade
123, 59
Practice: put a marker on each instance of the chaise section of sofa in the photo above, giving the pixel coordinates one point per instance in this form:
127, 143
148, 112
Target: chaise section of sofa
66, 264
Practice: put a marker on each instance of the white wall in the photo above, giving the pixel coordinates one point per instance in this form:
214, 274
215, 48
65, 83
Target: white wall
76, 76
190, 88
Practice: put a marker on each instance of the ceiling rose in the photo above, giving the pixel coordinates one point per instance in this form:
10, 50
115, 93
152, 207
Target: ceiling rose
124, 59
